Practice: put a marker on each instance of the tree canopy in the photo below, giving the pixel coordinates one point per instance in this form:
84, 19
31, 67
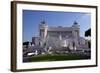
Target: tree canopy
88, 32
26, 43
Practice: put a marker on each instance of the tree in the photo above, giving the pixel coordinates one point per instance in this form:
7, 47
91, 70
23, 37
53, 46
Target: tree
88, 32
89, 44
26, 43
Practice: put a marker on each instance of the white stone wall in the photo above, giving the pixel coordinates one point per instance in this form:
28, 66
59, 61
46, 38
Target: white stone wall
60, 36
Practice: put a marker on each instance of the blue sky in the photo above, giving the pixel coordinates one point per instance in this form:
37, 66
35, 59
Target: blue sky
32, 19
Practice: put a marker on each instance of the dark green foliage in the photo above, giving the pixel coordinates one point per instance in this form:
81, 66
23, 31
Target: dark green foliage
26, 43
89, 44
56, 57
88, 32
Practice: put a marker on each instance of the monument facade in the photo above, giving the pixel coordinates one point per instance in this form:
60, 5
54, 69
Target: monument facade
60, 36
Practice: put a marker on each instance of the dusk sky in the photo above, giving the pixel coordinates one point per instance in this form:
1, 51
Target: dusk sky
32, 19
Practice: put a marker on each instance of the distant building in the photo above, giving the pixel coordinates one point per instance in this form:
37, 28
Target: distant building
36, 40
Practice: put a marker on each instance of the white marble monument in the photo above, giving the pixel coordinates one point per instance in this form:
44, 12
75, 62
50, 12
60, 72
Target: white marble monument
60, 36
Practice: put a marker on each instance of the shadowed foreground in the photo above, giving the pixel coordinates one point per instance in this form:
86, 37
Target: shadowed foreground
56, 57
